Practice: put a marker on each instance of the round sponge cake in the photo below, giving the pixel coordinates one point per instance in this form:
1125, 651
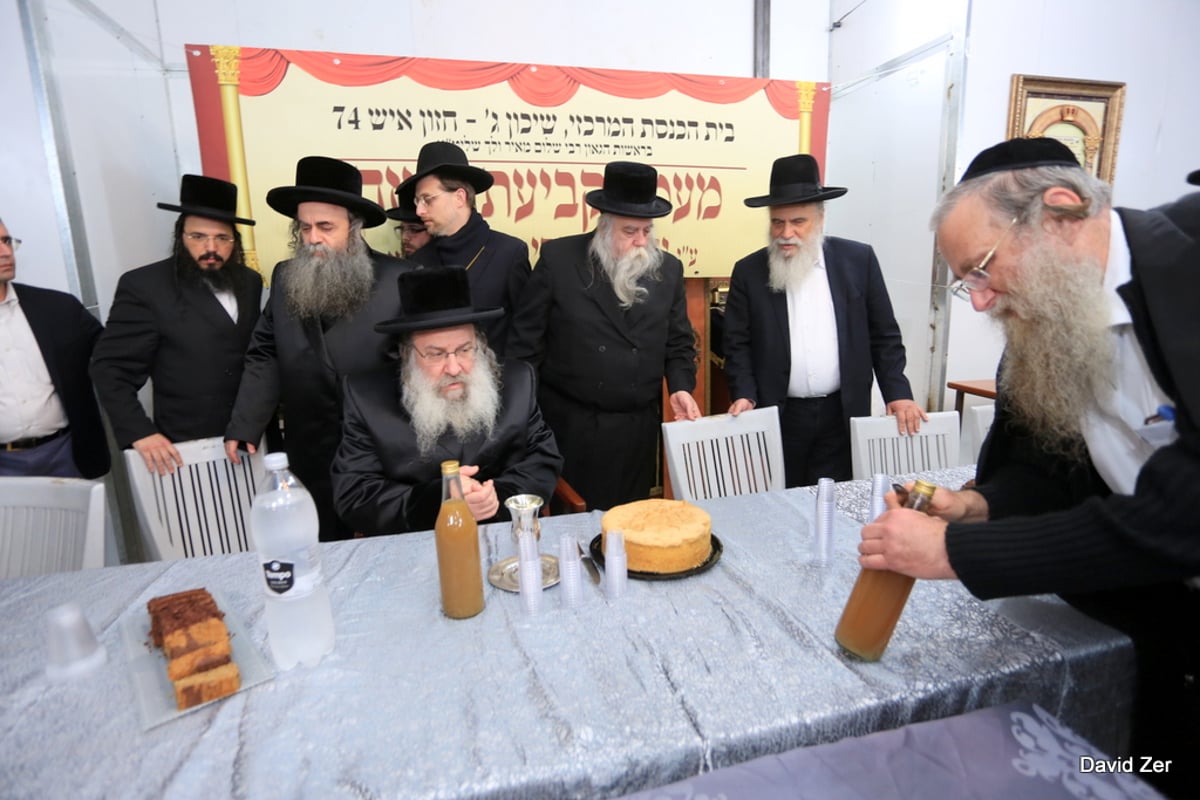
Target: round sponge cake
661, 536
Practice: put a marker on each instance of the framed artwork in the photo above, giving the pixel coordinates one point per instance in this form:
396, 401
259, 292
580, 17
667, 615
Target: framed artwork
1083, 115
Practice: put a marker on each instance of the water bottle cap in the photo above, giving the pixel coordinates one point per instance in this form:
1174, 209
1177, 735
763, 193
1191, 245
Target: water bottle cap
275, 461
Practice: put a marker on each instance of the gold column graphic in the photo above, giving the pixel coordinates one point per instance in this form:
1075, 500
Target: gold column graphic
226, 60
807, 90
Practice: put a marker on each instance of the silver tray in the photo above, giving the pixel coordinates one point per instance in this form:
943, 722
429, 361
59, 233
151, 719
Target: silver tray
503, 574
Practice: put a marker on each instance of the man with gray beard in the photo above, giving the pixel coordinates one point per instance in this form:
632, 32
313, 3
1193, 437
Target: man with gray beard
449, 399
808, 325
604, 320
317, 327
1086, 484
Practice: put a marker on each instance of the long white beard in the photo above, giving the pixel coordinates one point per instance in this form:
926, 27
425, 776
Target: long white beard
1059, 348
474, 411
329, 283
626, 272
786, 274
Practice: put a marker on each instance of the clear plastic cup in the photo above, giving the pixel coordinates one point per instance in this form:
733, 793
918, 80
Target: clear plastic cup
570, 571
72, 649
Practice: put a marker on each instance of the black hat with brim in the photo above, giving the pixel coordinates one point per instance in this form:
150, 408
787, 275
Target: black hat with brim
211, 198
629, 190
433, 298
1014, 154
1194, 177
795, 180
446, 160
404, 214
326, 180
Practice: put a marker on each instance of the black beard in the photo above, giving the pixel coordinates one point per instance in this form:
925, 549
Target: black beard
189, 272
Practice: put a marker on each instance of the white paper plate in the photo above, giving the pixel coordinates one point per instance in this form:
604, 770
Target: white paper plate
148, 666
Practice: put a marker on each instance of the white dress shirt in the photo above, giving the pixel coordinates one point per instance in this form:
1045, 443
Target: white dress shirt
29, 406
812, 330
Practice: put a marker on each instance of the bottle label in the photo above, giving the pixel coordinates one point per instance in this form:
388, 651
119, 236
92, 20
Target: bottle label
294, 575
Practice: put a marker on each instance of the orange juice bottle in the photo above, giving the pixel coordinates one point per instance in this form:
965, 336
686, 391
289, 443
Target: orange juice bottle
457, 537
878, 598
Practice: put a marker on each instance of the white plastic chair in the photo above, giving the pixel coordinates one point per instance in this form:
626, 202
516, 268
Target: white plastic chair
50, 525
977, 421
722, 455
203, 508
877, 446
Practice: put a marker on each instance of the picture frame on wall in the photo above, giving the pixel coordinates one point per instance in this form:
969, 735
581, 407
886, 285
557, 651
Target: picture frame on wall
1083, 115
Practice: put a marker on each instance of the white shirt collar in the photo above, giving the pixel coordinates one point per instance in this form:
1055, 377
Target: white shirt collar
1117, 272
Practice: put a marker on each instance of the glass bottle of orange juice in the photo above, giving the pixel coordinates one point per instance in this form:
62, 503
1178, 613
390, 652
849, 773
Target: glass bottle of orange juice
457, 536
878, 598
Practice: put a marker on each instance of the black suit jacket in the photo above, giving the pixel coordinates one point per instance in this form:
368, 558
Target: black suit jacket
570, 326
758, 358
66, 333
298, 365
383, 485
1055, 526
180, 336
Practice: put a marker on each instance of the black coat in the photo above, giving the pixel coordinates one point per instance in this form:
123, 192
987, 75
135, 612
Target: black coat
66, 333
179, 336
756, 340
382, 484
296, 365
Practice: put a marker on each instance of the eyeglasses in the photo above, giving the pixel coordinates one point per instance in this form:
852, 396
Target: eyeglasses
427, 199
15, 244
977, 279
412, 229
439, 356
220, 238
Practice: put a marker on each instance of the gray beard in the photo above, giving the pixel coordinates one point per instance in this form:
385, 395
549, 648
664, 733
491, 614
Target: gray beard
786, 274
1058, 356
474, 413
626, 272
330, 286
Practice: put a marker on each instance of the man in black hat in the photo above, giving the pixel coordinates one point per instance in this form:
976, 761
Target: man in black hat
1086, 483
443, 191
604, 320
410, 230
49, 422
318, 326
448, 399
807, 322
184, 322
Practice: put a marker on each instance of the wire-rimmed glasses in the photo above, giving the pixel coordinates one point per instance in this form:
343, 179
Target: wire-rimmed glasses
15, 244
977, 279
436, 355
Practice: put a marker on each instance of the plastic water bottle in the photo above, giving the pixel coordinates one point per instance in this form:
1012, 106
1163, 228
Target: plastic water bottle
284, 527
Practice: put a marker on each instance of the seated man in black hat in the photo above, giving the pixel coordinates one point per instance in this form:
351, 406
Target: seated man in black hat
443, 191
184, 322
318, 326
449, 399
604, 319
807, 321
410, 230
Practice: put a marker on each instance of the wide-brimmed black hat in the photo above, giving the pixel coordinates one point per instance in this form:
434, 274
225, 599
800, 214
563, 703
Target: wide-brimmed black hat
404, 212
1194, 177
326, 180
795, 180
211, 198
435, 297
1040, 151
629, 190
445, 160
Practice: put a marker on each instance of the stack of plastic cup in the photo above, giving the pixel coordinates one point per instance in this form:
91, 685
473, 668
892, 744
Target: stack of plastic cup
881, 484
826, 507
72, 648
529, 571
616, 568
569, 571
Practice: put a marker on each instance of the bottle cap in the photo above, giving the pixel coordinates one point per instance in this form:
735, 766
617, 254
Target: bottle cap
449, 467
275, 461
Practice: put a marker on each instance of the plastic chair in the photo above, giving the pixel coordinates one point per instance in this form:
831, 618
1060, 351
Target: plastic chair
50, 525
203, 508
723, 455
876, 445
977, 421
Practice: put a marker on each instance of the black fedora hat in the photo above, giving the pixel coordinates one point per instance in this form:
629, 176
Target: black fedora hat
326, 180
629, 190
446, 160
404, 212
1194, 177
795, 180
435, 297
1040, 151
211, 198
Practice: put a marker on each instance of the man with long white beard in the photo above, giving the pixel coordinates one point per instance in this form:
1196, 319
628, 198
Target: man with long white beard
808, 324
449, 399
1086, 484
604, 320
184, 323
318, 326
